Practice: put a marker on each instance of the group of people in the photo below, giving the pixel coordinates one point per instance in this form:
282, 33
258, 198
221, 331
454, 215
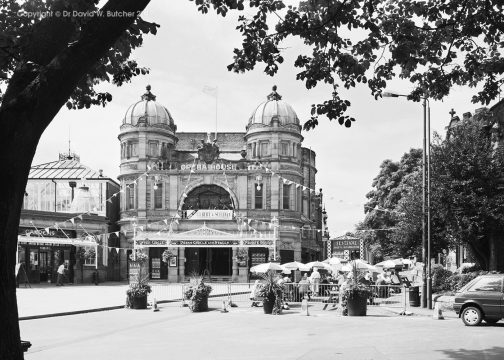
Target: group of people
315, 284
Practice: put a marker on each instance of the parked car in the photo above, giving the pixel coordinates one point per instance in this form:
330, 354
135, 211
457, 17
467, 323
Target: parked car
481, 299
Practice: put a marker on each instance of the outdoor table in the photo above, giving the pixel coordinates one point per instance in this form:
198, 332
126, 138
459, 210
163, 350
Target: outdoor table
333, 297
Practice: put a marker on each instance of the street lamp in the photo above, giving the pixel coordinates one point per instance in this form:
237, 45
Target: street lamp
426, 230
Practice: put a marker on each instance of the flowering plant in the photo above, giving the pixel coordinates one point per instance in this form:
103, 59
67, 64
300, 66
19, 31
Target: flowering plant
139, 286
274, 256
167, 255
139, 256
197, 293
242, 256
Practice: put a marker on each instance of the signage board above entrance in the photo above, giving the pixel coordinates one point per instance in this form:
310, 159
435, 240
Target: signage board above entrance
210, 214
208, 167
346, 244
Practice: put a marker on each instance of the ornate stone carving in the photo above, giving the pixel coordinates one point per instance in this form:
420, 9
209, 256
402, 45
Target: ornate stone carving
208, 151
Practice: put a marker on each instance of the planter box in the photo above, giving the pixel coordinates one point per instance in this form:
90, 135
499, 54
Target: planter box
138, 302
199, 305
268, 306
357, 305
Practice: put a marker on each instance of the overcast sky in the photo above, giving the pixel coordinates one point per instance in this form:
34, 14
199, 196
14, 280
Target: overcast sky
192, 50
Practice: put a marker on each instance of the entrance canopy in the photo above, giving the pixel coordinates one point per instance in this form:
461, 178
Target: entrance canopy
205, 237
54, 241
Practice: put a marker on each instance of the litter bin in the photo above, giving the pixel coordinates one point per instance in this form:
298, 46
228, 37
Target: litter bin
414, 296
95, 277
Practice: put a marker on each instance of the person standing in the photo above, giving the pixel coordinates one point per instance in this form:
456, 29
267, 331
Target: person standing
315, 280
61, 273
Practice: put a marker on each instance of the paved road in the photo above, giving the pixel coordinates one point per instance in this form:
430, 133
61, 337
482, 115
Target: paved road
246, 333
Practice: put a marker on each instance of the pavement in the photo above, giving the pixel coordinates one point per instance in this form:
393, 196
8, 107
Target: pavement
246, 333
47, 300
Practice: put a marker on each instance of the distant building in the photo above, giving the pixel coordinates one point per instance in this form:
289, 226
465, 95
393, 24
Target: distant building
64, 207
492, 120
220, 202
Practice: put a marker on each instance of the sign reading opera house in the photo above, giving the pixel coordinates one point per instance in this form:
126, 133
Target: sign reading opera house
211, 198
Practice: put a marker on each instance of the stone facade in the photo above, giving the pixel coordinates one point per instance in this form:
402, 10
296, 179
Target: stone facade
218, 181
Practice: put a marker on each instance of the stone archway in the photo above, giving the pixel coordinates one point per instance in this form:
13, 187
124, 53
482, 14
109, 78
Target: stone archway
208, 196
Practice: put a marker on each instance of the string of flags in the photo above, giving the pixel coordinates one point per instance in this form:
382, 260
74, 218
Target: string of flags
72, 220
287, 181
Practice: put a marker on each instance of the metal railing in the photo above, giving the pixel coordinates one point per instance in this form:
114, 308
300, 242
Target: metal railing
391, 296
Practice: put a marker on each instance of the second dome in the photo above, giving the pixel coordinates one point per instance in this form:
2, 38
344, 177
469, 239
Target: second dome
274, 108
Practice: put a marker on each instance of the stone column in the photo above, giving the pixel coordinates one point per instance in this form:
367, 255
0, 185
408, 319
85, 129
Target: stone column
181, 264
235, 265
173, 271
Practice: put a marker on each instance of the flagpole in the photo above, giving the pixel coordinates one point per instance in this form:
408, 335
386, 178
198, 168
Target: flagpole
216, 102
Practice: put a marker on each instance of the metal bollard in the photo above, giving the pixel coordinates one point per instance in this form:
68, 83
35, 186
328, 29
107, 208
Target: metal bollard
154, 305
438, 313
304, 306
224, 307
405, 312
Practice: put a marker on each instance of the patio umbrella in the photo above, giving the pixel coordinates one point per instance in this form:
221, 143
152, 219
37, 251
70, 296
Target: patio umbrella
333, 261
263, 268
295, 265
407, 262
285, 270
399, 261
386, 264
362, 265
317, 264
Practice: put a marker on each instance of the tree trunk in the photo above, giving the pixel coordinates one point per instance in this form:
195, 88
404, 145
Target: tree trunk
496, 247
34, 96
17, 148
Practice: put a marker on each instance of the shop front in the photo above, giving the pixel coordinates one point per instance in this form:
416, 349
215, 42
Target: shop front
204, 251
40, 253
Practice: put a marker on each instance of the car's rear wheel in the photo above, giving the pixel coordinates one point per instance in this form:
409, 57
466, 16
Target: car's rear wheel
471, 316
491, 321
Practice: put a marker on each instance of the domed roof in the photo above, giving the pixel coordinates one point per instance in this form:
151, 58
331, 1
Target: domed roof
274, 109
148, 111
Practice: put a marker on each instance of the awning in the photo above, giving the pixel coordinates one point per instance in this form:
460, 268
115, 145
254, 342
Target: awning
54, 241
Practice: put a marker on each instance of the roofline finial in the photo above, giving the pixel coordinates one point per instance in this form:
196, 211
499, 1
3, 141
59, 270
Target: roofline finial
148, 95
274, 95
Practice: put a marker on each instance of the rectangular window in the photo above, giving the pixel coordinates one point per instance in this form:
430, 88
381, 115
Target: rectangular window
153, 148
294, 145
134, 149
265, 149
254, 150
90, 259
258, 196
158, 196
130, 197
284, 148
286, 196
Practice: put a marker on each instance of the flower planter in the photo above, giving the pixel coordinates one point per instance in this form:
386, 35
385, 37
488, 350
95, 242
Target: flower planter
138, 302
268, 306
357, 304
199, 304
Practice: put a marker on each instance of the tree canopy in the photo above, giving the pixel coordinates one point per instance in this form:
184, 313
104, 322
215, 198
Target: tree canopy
435, 44
466, 200
467, 176
52, 52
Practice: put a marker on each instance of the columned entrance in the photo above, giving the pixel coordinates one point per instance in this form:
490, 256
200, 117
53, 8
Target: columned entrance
207, 249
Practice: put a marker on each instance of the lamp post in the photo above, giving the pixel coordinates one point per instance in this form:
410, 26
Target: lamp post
426, 233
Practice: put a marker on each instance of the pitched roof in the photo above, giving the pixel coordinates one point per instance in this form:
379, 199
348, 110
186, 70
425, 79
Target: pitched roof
64, 169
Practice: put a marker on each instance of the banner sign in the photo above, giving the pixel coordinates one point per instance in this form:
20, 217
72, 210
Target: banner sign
265, 243
151, 243
208, 167
210, 215
346, 244
41, 232
204, 243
